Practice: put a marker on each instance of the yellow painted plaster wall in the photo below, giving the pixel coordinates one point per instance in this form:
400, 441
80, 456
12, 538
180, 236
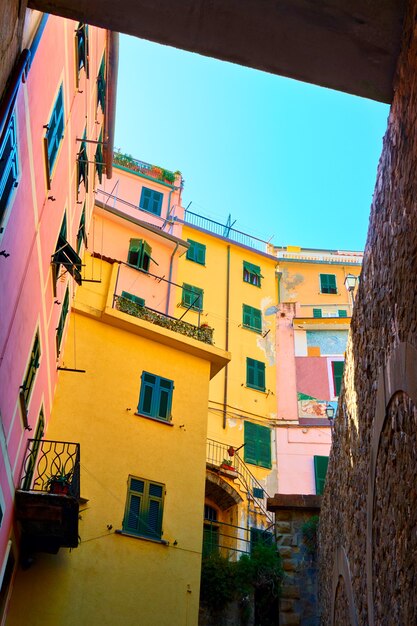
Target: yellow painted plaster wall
300, 282
242, 402
113, 579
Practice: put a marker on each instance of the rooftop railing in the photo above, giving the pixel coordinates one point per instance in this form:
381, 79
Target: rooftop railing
141, 167
323, 256
225, 230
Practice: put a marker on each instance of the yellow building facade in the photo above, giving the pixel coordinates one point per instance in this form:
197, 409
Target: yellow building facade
133, 394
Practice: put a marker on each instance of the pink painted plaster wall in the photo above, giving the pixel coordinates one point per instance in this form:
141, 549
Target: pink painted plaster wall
295, 459
313, 377
30, 232
287, 408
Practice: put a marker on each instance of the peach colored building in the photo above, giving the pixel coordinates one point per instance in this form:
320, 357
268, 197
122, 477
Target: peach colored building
313, 319
56, 134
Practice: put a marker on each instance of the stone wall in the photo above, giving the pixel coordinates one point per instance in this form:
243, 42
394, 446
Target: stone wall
11, 26
369, 514
298, 603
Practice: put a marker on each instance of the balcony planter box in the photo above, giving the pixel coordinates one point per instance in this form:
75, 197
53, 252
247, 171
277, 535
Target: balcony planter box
59, 487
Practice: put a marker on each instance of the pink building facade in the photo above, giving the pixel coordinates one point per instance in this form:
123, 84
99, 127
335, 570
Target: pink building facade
56, 134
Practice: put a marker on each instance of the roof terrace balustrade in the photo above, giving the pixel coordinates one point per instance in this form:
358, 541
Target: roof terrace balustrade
147, 169
201, 333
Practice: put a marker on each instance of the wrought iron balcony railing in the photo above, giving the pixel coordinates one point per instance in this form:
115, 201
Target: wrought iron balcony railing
201, 333
230, 541
218, 457
51, 467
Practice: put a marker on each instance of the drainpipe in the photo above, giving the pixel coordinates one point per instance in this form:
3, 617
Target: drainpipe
171, 262
227, 335
112, 64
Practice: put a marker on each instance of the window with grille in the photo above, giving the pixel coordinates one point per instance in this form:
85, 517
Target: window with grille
144, 508
155, 398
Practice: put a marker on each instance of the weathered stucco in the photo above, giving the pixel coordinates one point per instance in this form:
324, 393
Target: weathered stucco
369, 502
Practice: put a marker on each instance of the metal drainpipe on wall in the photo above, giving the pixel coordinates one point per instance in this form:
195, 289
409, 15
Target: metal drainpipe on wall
170, 277
227, 335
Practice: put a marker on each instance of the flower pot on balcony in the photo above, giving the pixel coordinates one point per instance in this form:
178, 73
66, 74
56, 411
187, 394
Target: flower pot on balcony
59, 487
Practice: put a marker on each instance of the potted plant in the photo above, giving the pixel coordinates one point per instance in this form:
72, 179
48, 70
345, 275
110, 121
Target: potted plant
226, 464
59, 483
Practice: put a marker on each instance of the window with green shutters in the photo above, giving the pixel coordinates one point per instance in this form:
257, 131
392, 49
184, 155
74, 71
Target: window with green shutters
257, 449
192, 297
82, 163
255, 374
101, 85
151, 200
342, 313
55, 130
8, 166
132, 298
30, 376
196, 252
98, 158
328, 283
82, 233
61, 323
317, 313
252, 274
139, 254
155, 398
320, 470
144, 508
81, 48
66, 257
337, 369
252, 318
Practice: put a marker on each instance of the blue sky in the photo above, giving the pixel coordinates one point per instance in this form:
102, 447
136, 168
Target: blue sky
288, 160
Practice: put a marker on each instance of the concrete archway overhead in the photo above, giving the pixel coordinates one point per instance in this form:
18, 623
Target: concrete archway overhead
349, 45
221, 492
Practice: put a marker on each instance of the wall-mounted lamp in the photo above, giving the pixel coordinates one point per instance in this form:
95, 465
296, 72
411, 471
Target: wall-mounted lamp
350, 282
330, 412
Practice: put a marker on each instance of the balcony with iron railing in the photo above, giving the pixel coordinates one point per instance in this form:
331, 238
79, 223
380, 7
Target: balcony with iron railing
231, 541
225, 230
223, 459
47, 498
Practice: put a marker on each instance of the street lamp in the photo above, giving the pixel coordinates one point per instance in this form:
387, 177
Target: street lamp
330, 414
350, 284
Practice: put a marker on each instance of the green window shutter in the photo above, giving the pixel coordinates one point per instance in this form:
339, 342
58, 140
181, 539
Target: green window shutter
328, 283
196, 252
8, 166
320, 470
252, 274
132, 298
252, 318
134, 256
146, 256
155, 398
101, 85
317, 313
32, 369
151, 200
62, 318
342, 313
98, 158
192, 297
255, 374
144, 507
210, 540
337, 367
82, 163
257, 448
55, 129
82, 234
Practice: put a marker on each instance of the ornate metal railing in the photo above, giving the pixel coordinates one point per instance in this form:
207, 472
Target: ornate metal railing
225, 230
51, 466
218, 456
232, 541
201, 333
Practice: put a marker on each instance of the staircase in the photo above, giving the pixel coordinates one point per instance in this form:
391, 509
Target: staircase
237, 470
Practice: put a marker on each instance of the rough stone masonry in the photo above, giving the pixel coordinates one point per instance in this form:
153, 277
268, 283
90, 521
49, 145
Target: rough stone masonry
368, 533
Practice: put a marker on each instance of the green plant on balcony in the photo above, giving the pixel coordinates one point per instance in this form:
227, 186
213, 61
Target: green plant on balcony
159, 319
59, 483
